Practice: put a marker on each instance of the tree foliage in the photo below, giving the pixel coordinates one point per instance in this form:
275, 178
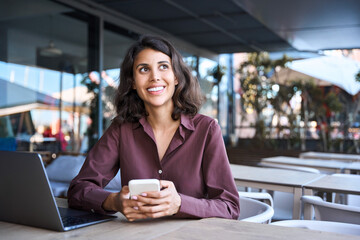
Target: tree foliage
92, 84
256, 87
259, 90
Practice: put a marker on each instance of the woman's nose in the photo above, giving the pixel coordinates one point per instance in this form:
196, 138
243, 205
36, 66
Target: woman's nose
155, 75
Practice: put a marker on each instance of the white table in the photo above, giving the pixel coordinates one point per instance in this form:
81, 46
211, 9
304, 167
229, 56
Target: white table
215, 228
354, 166
322, 165
211, 228
274, 179
331, 156
330, 183
118, 228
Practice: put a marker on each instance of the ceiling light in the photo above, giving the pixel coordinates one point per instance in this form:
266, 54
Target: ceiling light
50, 50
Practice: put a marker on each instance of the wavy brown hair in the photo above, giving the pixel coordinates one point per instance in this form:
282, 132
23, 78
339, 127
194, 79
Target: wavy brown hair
187, 97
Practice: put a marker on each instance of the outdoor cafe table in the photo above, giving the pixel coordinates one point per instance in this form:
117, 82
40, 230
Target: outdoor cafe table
352, 167
331, 156
330, 183
274, 179
211, 228
216, 228
322, 165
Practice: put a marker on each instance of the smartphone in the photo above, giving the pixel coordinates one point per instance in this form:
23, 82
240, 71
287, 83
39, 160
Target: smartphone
138, 186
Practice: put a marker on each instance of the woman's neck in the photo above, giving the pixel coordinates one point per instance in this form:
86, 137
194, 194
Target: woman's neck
160, 119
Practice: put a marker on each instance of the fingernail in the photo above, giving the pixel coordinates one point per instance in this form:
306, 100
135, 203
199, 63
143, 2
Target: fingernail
144, 194
134, 197
136, 208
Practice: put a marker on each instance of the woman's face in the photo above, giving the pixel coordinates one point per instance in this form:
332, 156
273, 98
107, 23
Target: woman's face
154, 79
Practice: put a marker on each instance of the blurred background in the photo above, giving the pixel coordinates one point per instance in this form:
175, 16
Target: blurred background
279, 76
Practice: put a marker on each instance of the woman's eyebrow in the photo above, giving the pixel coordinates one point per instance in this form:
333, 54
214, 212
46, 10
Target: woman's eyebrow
141, 65
164, 62
145, 64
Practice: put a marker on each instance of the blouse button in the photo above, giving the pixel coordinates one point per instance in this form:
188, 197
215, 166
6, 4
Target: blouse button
160, 171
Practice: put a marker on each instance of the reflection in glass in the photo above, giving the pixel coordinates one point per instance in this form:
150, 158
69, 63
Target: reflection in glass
42, 54
209, 87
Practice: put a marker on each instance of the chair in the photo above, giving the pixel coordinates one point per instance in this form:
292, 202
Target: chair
46, 156
255, 211
284, 201
289, 167
64, 168
260, 196
8, 144
325, 226
348, 199
327, 211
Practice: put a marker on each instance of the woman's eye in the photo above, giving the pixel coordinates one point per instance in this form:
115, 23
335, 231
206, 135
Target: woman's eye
144, 69
163, 67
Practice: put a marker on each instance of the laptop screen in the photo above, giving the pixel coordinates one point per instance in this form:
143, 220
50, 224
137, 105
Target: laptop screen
26, 194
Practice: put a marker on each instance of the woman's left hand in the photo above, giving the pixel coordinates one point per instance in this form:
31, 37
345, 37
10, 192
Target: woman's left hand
159, 204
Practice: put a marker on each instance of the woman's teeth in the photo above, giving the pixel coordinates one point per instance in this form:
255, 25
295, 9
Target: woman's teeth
155, 89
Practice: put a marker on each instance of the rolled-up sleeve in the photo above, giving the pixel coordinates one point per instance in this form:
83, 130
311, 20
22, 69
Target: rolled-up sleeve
222, 196
101, 165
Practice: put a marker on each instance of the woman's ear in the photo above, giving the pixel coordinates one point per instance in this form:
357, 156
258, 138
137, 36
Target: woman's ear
176, 81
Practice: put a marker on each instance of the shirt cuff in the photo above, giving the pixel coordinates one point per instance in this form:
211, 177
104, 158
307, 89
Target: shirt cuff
186, 208
95, 199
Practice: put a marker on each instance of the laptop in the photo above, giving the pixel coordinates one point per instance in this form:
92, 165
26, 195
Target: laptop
26, 196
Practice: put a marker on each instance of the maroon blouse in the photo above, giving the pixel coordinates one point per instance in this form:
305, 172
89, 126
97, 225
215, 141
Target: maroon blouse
195, 161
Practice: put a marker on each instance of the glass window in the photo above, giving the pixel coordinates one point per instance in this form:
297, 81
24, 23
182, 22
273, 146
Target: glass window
49, 58
225, 93
43, 53
209, 86
116, 42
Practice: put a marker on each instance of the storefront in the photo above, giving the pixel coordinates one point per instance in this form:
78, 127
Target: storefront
51, 57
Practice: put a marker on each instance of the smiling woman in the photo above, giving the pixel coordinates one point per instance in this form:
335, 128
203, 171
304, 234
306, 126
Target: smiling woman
154, 79
158, 134
187, 97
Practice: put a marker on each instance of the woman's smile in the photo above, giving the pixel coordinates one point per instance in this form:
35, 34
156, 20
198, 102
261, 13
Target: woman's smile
156, 90
154, 79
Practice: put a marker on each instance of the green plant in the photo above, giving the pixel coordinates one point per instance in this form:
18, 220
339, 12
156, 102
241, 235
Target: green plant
92, 84
217, 74
319, 104
257, 91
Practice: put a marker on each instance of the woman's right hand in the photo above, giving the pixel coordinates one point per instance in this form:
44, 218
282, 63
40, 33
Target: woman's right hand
120, 202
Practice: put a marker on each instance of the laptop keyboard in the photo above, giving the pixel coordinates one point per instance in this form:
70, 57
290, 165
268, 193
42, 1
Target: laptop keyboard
72, 221
75, 218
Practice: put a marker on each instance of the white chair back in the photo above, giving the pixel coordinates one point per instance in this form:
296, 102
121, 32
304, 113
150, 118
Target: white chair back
348, 199
289, 167
284, 201
260, 196
255, 211
325, 226
327, 211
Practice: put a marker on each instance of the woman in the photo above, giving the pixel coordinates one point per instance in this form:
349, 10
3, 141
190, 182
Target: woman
158, 134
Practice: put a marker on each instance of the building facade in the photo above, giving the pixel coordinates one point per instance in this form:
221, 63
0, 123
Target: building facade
59, 69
